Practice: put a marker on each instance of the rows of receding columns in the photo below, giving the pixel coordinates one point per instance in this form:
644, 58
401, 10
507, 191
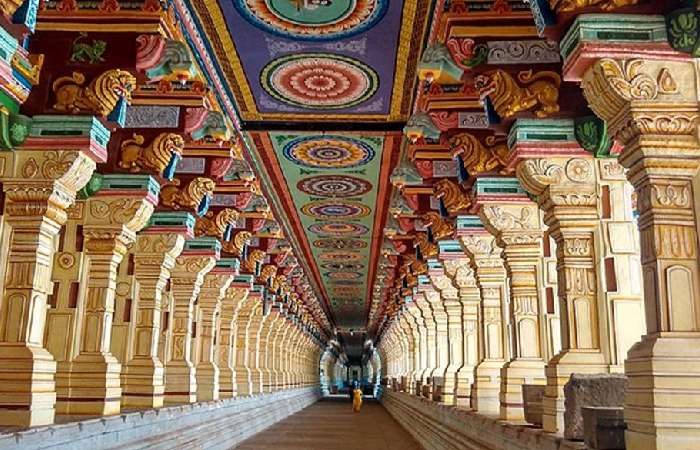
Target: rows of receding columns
140, 315
625, 297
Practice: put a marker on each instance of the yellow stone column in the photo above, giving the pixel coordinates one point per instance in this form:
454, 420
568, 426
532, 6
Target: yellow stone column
155, 252
485, 256
515, 224
255, 326
422, 333
459, 269
430, 336
39, 185
196, 260
211, 294
281, 354
235, 296
113, 216
244, 380
651, 108
266, 349
566, 190
411, 353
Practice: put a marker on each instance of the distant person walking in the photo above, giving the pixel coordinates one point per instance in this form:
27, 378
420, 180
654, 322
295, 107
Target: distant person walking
356, 398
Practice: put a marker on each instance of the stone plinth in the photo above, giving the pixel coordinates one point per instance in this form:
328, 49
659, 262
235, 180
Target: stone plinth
604, 427
533, 394
586, 391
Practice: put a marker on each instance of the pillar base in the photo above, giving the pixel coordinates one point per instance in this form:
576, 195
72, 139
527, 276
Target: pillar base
513, 375
463, 392
27, 385
207, 382
143, 383
244, 383
180, 383
449, 386
487, 387
257, 377
558, 371
662, 402
95, 386
227, 383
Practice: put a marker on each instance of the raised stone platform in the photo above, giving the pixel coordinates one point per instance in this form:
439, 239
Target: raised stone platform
216, 425
441, 427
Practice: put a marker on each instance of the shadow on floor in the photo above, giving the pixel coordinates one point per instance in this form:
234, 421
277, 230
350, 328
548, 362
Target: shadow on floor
330, 424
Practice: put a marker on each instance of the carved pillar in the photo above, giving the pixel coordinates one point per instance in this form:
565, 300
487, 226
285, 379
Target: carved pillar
651, 107
113, 215
485, 256
422, 333
514, 221
235, 296
154, 254
562, 176
40, 187
458, 269
430, 336
186, 280
211, 294
266, 349
441, 346
244, 380
453, 309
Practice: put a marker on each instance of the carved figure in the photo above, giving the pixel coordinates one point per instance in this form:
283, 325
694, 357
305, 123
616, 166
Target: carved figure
215, 225
420, 125
572, 5
541, 92
428, 249
437, 66
267, 272
240, 240
87, 53
478, 158
254, 257
190, 197
156, 156
438, 226
451, 195
100, 96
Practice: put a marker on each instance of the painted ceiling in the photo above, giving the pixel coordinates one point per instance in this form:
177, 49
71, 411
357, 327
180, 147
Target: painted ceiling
334, 190
325, 60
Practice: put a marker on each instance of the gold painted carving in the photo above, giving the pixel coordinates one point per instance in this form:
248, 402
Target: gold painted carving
541, 92
215, 225
254, 257
155, 157
573, 5
452, 196
440, 228
240, 240
190, 197
99, 97
479, 158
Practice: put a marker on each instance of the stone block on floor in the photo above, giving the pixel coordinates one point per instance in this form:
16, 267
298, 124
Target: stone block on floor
590, 390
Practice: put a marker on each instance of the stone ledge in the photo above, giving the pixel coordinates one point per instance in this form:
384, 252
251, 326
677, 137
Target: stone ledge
441, 427
215, 425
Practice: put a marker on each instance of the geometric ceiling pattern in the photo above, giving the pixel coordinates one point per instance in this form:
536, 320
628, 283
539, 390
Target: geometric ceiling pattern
320, 60
333, 183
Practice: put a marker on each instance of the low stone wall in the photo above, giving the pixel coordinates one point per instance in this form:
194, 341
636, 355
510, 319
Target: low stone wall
214, 425
440, 427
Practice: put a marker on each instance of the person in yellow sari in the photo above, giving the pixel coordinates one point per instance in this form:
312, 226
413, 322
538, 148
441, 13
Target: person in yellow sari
356, 399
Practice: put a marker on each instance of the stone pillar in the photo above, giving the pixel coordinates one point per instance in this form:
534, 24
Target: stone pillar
430, 336
562, 176
485, 256
195, 261
113, 215
156, 249
453, 309
244, 380
235, 296
459, 269
211, 294
651, 108
514, 220
255, 326
266, 351
412, 330
39, 185
442, 345
422, 334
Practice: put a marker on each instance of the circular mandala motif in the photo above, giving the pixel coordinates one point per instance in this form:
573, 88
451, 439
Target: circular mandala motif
328, 152
334, 186
340, 256
335, 209
313, 19
338, 229
319, 81
342, 266
340, 244
343, 275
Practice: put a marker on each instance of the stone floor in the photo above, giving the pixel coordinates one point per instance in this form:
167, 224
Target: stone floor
330, 424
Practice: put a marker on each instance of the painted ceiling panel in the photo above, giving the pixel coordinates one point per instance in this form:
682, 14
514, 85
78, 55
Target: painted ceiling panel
322, 59
333, 183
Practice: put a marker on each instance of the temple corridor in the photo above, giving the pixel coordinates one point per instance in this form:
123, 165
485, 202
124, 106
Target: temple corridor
330, 424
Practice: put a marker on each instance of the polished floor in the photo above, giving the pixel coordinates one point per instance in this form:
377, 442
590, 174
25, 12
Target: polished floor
330, 424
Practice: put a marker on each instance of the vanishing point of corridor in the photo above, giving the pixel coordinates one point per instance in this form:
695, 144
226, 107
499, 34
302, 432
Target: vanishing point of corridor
330, 424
